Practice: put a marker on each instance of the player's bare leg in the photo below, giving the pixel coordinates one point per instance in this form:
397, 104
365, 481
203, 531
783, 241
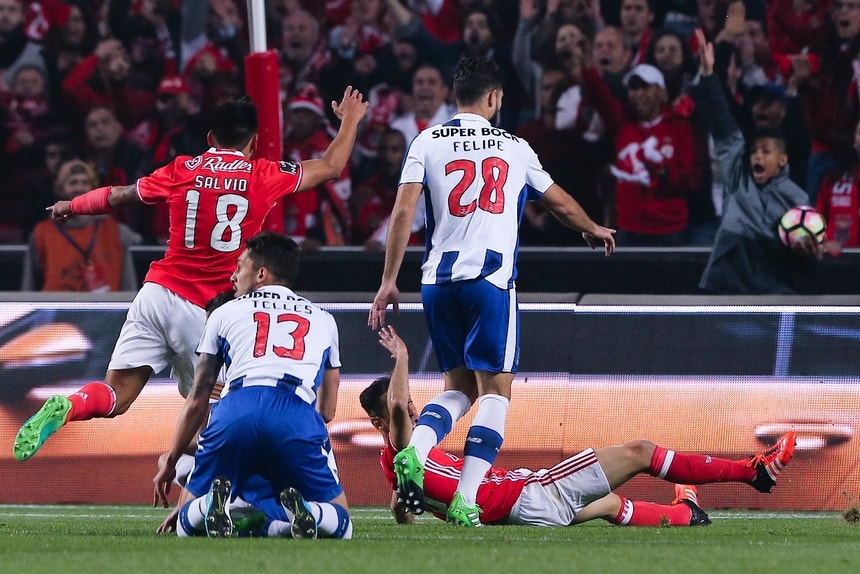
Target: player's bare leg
606, 508
624, 512
622, 462
94, 400
127, 385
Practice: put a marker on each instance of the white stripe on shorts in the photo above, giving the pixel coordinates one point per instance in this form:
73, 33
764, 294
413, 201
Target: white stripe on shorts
511, 339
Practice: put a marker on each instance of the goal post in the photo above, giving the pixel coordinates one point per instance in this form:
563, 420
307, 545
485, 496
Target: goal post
262, 84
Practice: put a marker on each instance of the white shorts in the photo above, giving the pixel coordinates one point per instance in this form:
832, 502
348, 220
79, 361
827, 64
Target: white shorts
161, 329
553, 497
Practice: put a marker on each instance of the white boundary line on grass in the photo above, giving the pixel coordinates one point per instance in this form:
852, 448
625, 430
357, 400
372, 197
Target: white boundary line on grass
116, 511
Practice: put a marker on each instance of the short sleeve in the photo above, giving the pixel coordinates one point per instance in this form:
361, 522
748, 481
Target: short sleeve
278, 178
536, 177
155, 187
334, 353
414, 170
210, 340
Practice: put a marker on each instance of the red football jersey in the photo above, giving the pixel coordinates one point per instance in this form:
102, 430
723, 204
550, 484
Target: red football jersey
497, 494
839, 203
217, 200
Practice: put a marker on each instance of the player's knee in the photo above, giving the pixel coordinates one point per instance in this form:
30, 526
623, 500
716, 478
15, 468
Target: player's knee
641, 451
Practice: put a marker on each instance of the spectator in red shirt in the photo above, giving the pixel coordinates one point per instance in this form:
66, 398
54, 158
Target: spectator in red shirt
320, 216
656, 166
64, 47
831, 95
373, 199
796, 24
839, 202
101, 79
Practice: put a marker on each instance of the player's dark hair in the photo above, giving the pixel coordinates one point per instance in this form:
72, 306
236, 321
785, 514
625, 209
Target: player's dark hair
277, 253
474, 77
234, 123
219, 300
372, 398
774, 134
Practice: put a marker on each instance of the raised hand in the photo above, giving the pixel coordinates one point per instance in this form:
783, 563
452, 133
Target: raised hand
706, 53
392, 342
352, 107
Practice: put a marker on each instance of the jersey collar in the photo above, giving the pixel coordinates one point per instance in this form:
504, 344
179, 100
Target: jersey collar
225, 150
471, 117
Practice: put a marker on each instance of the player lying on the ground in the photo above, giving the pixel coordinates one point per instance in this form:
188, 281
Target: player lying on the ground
573, 491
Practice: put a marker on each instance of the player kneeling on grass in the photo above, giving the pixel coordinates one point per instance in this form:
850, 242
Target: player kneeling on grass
265, 443
575, 490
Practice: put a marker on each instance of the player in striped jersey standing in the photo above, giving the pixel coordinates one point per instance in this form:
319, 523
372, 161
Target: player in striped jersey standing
476, 180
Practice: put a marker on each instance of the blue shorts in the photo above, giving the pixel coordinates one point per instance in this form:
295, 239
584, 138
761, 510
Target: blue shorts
269, 432
473, 323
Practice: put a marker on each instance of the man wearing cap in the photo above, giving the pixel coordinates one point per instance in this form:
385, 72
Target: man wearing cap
656, 164
173, 128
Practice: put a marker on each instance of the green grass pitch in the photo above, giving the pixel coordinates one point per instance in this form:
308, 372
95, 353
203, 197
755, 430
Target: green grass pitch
107, 539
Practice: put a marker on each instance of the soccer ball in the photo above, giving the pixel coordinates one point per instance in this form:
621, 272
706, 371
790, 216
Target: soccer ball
800, 222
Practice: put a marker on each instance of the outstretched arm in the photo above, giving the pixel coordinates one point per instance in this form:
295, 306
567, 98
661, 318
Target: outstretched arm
350, 110
399, 229
191, 418
98, 201
571, 214
400, 428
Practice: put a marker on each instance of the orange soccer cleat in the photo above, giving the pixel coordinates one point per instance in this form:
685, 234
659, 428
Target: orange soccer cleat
769, 463
686, 492
688, 495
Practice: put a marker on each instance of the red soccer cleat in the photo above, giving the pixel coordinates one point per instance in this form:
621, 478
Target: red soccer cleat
769, 464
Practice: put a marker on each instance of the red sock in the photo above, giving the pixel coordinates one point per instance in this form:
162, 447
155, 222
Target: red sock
640, 513
698, 469
93, 400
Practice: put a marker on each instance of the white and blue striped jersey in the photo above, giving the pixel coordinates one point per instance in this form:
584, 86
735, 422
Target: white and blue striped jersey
272, 337
476, 179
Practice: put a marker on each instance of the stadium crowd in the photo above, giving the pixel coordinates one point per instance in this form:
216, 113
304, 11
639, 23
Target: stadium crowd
598, 87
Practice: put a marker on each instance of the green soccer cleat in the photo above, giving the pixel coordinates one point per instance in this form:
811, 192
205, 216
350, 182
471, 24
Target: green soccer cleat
303, 524
249, 524
463, 515
33, 433
218, 521
410, 480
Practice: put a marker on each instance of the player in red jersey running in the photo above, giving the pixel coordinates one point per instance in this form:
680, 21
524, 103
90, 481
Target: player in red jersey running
573, 491
217, 200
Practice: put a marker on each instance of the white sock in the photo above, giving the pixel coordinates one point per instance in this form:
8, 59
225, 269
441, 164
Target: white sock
424, 436
333, 520
279, 529
489, 426
194, 517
